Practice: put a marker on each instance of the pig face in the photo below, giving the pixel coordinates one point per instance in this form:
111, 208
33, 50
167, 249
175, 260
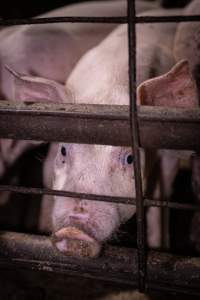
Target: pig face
93, 169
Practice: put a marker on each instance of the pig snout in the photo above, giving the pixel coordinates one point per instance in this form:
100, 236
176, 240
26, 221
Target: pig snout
81, 227
74, 241
76, 238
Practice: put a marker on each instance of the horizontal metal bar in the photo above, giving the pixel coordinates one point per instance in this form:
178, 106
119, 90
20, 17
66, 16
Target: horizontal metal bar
104, 20
159, 127
115, 264
94, 197
167, 19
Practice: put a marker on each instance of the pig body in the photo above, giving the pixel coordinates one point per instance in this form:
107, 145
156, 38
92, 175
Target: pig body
50, 51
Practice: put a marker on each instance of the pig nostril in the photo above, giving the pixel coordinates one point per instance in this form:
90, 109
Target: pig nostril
79, 209
78, 217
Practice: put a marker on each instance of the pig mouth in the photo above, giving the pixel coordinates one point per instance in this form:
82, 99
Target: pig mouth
72, 241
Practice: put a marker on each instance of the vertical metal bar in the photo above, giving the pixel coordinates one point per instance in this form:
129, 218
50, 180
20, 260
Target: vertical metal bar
135, 145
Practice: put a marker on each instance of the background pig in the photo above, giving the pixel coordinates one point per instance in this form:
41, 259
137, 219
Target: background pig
50, 51
187, 41
82, 226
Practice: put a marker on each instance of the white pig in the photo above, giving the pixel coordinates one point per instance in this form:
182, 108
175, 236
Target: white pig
101, 77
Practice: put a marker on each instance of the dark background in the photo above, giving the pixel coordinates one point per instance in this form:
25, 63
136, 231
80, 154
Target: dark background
28, 8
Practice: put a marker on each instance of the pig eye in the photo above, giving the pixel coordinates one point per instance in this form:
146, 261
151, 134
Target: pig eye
63, 151
127, 159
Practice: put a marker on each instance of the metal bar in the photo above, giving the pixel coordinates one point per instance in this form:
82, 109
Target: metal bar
64, 19
40, 191
94, 197
167, 19
100, 124
165, 271
104, 20
134, 127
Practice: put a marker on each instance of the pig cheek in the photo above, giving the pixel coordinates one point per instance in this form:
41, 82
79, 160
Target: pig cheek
126, 212
60, 175
122, 182
104, 220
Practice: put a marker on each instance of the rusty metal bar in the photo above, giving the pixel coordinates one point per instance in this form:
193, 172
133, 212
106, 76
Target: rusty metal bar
64, 19
165, 271
100, 124
94, 197
134, 127
104, 20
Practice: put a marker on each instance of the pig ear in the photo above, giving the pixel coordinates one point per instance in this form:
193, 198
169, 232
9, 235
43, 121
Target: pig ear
176, 88
30, 88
